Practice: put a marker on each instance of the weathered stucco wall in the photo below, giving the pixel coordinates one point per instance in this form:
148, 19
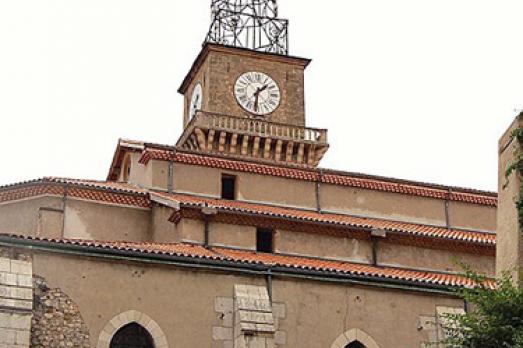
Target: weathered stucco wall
391, 318
191, 231
232, 236
140, 174
163, 231
322, 245
336, 198
472, 216
431, 259
197, 180
170, 297
270, 189
160, 174
21, 217
88, 220
331, 309
335, 247
386, 205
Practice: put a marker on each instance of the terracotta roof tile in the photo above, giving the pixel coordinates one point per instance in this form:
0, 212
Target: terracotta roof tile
100, 191
335, 219
240, 257
345, 268
129, 195
326, 176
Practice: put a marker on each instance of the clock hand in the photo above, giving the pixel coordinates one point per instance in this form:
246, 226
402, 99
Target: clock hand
256, 98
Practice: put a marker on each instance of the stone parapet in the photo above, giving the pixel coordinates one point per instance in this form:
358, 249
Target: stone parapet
255, 139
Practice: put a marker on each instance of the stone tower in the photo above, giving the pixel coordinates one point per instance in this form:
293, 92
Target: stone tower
509, 235
244, 95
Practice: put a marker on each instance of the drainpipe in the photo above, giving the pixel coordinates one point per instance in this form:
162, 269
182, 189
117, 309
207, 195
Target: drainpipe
269, 283
375, 236
208, 213
170, 177
64, 204
318, 190
447, 209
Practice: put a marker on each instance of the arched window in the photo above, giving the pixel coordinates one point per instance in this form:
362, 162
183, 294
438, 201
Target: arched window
132, 336
355, 344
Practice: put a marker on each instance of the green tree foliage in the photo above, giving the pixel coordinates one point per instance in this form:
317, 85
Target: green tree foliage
494, 318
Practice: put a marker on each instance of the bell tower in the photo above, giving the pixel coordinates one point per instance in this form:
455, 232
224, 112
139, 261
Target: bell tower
244, 95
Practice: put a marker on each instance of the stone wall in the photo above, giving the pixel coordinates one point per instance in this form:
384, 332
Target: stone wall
16, 296
57, 321
248, 320
432, 325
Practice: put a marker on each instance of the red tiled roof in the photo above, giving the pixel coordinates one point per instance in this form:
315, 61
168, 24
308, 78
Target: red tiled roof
105, 185
239, 257
305, 263
326, 176
334, 219
129, 195
100, 191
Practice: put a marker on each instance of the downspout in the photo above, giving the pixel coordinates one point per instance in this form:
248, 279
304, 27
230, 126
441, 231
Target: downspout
170, 177
208, 213
375, 236
318, 191
447, 209
269, 283
64, 205
170, 173
206, 232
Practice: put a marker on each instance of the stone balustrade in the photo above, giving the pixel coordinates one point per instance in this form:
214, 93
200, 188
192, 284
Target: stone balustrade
255, 139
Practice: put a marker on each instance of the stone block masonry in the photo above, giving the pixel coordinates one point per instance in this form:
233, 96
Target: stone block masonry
16, 299
248, 320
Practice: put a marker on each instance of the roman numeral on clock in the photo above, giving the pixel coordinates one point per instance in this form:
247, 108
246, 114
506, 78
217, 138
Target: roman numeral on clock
257, 93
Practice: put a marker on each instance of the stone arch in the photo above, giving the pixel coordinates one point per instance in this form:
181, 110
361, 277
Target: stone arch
129, 317
354, 335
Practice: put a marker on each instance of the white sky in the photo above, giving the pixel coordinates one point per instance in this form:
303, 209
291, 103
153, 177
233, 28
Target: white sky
414, 89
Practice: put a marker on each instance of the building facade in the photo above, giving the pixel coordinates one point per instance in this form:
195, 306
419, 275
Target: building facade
235, 237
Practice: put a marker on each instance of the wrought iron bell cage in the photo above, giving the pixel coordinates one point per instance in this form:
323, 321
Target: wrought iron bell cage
251, 24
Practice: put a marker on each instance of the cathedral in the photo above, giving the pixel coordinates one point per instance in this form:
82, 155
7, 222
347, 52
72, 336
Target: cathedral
235, 237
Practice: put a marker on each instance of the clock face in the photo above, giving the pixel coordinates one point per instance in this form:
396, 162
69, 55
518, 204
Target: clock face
257, 93
196, 100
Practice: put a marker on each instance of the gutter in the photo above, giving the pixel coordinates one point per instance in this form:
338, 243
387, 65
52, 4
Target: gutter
226, 266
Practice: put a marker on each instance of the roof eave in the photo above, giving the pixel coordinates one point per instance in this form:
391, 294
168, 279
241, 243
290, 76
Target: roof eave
225, 265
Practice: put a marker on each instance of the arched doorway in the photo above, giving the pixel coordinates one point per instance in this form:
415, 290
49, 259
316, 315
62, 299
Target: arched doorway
132, 336
354, 338
355, 344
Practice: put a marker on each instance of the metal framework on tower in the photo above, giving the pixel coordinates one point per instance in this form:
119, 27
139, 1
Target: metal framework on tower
252, 24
